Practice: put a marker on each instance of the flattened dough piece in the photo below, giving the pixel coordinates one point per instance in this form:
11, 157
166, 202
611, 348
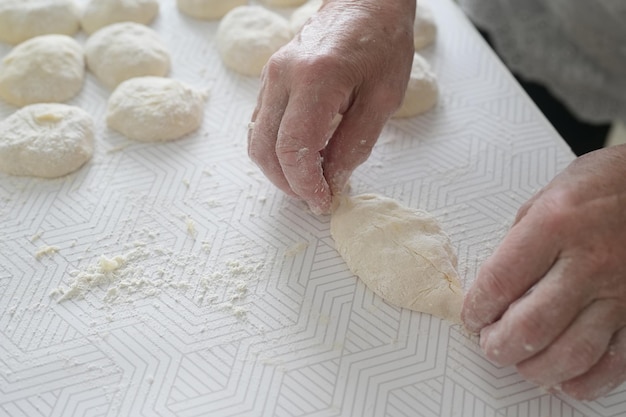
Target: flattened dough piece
46, 140
25, 19
48, 68
401, 254
155, 109
248, 36
100, 13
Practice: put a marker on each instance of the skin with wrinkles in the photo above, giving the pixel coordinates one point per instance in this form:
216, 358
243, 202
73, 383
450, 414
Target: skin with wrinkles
352, 58
568, 244
552, 298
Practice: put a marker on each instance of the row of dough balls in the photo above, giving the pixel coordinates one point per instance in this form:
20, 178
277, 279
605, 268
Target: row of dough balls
51, 68
50, 140
21, 20
248, 36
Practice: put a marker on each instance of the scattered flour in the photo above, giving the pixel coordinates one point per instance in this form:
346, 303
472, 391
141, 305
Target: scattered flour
46, 251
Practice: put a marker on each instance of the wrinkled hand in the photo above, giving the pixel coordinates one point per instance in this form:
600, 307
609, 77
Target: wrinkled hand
552, 298
352, 58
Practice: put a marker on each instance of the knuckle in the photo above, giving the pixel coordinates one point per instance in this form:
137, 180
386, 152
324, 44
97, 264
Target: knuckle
532, 331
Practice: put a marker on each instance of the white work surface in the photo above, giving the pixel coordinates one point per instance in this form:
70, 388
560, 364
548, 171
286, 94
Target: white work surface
232, 300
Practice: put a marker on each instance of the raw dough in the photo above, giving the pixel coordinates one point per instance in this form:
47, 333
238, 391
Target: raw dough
248, 36
424, 26
121, 51
152, 109
300, 16
45, 140
48, 68
422, 92
283, 3
208, 9
100, 13
25, 19
401, 254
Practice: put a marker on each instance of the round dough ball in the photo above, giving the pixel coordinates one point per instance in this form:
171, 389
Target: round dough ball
121, 51
46, 140
283, 3
100, 13
208, 9
424, 26
154, 109
422, 92
248, 36
48, 68
300, 16
25, 19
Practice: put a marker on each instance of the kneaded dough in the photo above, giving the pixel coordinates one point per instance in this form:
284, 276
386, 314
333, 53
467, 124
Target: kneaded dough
46, 140
25, 19
283, 3
248, 36
401, 254
154, 109
300, 16
100, 13
125, 50
208, 9
424, 26
48, 68
422, 92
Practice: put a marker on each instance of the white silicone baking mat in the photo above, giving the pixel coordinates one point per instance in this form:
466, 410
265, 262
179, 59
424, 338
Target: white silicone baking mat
231, 300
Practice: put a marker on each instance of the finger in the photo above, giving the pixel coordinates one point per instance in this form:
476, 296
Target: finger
262, 134
608, 373
577, 349
302, 136
352, 142
533, 323
524, 256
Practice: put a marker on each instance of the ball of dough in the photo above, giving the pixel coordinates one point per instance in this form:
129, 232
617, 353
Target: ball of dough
401, 254
283, 3
422, 92
154, 109
25, 19
121, 51
424, 26
300, 16
100, 13
248, 36
208, 9
46, 140
48, 68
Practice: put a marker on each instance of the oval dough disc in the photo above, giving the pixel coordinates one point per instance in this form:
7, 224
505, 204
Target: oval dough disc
401, 254
154, 109
100, 13
25, 19
208, 9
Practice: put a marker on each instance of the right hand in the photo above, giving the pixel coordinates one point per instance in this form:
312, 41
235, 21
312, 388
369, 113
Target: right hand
352, 58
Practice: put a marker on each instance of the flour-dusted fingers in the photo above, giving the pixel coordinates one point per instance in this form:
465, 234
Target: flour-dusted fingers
537, 320
353, 140
524, 257
607, 374
263, 131
579, 347
302, 136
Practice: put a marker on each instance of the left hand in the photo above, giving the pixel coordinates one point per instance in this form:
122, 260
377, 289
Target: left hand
552, 298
